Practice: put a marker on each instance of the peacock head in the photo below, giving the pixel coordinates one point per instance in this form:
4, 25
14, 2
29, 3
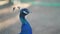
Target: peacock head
24, 12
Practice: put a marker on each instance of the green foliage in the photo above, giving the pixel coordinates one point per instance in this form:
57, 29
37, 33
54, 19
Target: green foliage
26, 0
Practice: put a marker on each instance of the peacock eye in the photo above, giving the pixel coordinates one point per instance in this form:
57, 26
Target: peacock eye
25, 12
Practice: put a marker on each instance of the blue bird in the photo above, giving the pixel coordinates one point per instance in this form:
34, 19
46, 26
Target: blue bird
25, 28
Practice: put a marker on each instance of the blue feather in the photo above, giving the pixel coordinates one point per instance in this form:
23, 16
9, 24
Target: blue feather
25, 28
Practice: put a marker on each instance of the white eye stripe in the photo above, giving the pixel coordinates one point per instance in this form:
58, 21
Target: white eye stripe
25, 12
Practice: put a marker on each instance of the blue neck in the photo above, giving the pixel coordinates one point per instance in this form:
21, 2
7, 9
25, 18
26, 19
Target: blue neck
23, 20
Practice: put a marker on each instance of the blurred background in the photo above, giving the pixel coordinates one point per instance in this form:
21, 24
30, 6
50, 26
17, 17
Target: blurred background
44, 19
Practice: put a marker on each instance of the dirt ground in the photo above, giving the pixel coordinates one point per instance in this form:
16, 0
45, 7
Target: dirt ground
44, 20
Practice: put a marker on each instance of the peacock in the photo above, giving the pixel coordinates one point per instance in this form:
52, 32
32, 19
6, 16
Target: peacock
25, 28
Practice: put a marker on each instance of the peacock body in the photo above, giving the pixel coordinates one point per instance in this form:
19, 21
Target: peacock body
25, 28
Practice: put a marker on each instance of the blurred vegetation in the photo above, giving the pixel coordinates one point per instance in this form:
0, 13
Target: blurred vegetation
24, 1
6, 5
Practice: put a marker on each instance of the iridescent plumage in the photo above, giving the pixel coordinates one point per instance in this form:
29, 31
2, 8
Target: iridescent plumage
25, 28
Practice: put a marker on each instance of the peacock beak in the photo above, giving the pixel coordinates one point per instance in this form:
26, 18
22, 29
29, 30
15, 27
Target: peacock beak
30, 12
